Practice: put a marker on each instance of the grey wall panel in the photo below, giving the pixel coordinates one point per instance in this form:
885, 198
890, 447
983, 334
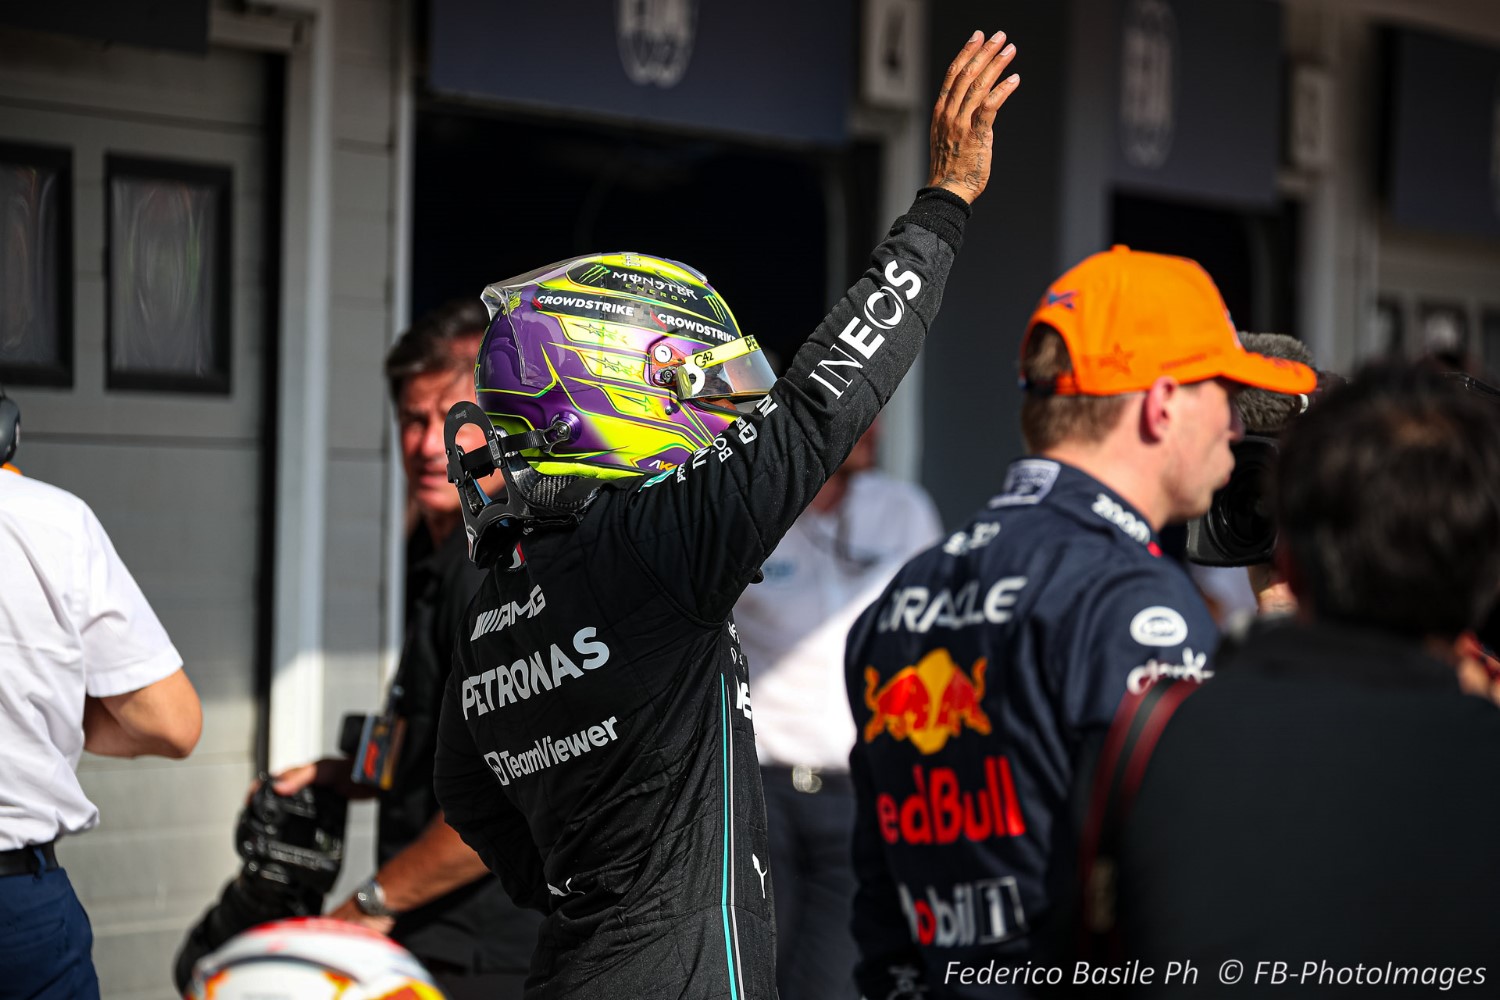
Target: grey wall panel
362, 102
360, 417
67, 73
353, 681
204, 797
366, 32
352, 623
361, 257
970, 424
356, 545
136, 972
362, 182
355, 523
146, 867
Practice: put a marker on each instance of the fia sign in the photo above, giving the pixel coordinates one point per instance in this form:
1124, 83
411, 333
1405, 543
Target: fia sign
656, 39
1148, 84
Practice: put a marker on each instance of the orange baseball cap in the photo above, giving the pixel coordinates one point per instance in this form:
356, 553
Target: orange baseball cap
1129, 318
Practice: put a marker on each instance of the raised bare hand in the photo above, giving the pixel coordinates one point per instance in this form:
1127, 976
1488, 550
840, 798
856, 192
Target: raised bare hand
964, 116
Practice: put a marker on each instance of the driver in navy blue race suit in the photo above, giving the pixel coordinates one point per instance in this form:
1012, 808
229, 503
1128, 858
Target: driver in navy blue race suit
995, 659
596, 745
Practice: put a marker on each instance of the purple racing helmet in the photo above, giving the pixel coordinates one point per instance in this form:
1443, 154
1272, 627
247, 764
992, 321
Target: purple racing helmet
636, 356
594, 368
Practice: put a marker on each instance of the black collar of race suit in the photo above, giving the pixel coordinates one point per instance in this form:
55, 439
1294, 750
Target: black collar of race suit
493, 525
1031, 481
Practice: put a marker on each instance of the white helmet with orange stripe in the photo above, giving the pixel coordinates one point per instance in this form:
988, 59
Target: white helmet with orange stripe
311, 958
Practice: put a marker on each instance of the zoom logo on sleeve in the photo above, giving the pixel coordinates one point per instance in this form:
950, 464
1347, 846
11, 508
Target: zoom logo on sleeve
1121, 518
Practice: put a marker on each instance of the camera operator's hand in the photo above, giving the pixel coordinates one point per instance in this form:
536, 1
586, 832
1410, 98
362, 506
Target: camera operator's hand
964, 116
330, 772
1478, 671
349, 912
1273, 595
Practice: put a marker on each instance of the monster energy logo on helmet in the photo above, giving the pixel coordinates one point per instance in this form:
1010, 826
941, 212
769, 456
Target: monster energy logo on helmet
633, 282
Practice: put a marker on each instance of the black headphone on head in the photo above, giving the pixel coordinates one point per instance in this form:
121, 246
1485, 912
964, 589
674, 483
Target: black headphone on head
10, 426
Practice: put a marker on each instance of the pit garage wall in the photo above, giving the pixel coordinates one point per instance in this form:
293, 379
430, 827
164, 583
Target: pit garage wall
1438, 251
1011, 249
174, 477
1363, 259
363, 562
361, 547
338, 499
323, 297
340, 279
362, 326
1171, 99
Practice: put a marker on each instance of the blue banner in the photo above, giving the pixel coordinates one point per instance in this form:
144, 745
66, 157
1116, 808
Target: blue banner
782, 69
1444, 154
1199, 112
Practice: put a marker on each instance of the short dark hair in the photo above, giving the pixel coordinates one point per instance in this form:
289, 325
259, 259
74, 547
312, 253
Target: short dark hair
430, 344
1388, 503
1048, 420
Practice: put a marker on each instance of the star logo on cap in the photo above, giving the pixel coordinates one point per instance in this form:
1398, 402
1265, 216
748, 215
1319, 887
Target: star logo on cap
1064, 299
1118, 359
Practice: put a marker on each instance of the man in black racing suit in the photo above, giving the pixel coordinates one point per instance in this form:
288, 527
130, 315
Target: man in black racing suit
596, 746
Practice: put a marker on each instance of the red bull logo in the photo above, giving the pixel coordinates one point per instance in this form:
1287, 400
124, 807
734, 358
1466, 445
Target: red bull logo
926, 703
947, 806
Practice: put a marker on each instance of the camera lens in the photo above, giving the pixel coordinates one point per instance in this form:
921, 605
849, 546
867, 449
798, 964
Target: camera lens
1239, 523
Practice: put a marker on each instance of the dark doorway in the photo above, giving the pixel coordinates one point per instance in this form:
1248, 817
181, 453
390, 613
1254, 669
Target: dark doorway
499, 195
1251, 255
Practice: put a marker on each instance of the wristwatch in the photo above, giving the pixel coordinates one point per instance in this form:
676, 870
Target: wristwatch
370, 898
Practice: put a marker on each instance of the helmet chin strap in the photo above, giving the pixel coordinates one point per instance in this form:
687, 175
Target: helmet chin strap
713, 406
494, 524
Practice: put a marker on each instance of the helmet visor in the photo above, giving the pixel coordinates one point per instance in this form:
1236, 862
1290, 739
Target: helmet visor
737, 371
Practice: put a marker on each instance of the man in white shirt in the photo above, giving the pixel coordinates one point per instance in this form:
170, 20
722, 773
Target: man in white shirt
836, 559
84, 665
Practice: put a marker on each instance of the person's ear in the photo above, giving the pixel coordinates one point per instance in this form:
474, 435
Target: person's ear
1156, 412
